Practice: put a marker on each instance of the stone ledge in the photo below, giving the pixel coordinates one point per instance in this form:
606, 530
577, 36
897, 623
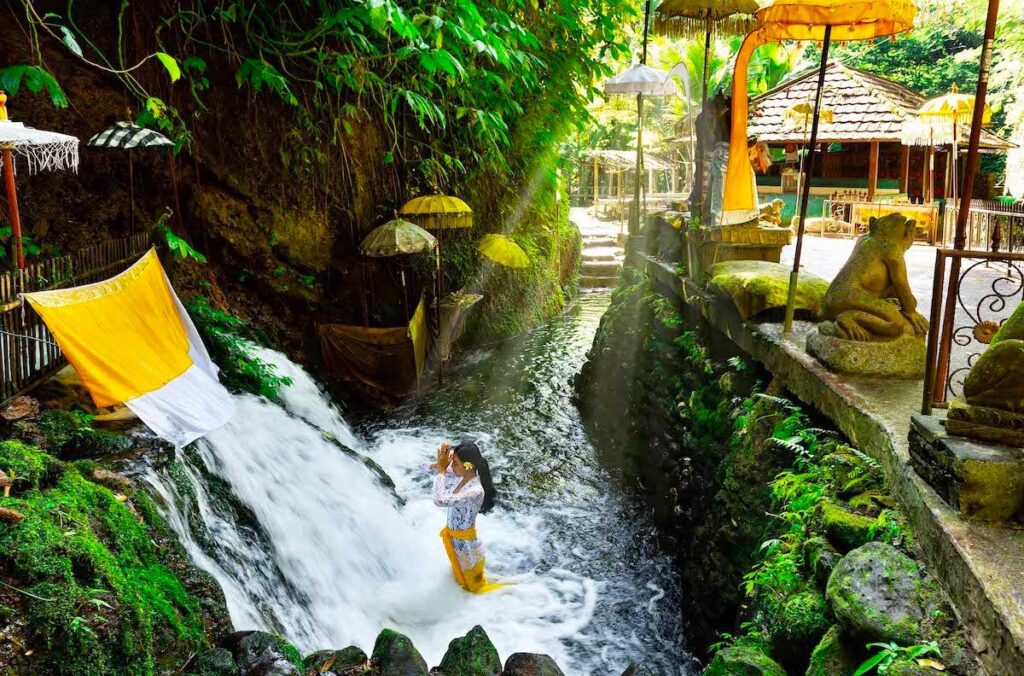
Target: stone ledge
981, 567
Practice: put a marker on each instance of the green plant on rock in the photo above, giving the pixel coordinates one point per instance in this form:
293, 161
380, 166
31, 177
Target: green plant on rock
230, 347
889, 654
97, 597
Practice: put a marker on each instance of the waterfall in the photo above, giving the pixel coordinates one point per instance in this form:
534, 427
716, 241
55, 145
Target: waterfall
280, 507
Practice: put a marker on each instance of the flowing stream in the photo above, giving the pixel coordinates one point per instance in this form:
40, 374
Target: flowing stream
306, 540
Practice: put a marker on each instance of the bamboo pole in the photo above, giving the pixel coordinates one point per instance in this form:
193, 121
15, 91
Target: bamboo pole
970, 169
17, 252
787, 325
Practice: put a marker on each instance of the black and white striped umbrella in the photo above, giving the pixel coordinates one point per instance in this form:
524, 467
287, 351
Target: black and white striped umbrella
125, 135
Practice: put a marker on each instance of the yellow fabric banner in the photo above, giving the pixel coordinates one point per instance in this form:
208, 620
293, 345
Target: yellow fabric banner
123, 335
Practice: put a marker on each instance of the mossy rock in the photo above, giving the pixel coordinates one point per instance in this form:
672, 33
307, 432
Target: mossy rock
832, 657
804, 620
820, 558
638, 669
395, 655
743, 660
471, 655
878, 594
264, 653
845, 529
329, 662
756, 286
905, 668
871, 503
530, 664
213, 662
30, 467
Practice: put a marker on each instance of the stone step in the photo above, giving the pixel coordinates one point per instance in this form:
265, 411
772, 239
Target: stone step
587, 282
603, 257
603, 253
602, 268
599, 241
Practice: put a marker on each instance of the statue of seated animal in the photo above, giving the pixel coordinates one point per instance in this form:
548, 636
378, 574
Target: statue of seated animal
870, 299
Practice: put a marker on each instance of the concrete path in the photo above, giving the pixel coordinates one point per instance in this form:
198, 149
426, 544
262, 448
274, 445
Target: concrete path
602, 252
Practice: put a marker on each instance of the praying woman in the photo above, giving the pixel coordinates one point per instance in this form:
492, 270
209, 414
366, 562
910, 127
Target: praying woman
463, 485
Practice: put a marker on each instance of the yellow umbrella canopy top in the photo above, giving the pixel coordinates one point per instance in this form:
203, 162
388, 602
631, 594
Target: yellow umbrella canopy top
397, 237
850, 19
801, 114
438, 212
797, 20
952, 105
692, 18
503, 251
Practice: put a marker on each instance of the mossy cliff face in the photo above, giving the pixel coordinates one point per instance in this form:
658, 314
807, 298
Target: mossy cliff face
278, 205
93, 581
778, 525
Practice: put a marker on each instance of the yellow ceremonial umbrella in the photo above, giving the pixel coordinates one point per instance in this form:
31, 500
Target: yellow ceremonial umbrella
952, 108
691, 18
438, 212
503, 251
820, 21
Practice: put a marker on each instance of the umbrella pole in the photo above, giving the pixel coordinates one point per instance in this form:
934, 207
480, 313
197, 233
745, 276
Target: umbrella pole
634, 212
440, 292
131, 189
698, 178
12, 209
805, 189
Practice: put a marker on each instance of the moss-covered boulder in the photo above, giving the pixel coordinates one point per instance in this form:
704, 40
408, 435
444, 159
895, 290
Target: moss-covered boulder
756, 286
259, 652
871, 503
743, 660
832, 656
804, 620
395, 655
471, 655
213, 662
845, 529
638, 669
530, 664
335, 662
820, 558
879, 594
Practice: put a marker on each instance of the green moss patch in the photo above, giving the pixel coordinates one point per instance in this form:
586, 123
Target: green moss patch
756, 286
98, 598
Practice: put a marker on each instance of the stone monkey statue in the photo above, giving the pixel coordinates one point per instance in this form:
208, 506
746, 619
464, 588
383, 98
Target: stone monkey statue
859, 304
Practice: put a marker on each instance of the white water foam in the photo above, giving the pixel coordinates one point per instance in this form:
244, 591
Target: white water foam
336, 558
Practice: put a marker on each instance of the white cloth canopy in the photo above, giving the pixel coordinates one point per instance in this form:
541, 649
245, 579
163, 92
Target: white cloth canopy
42, 150
641, 79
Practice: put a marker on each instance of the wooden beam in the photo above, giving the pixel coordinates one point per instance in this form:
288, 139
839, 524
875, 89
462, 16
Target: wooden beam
873, 171
904, 169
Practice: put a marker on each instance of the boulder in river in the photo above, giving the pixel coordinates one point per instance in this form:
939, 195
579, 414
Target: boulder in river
258, 653
530, 664
471, 655
879, 594
395, 655
213, 662
638, 669
335, 662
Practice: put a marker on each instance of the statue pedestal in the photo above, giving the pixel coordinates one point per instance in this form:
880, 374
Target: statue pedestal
903, 357
992, 425
749, 242
981, 481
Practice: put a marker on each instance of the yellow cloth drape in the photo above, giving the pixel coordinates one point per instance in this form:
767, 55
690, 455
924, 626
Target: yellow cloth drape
796, 20
123, 335
472, 580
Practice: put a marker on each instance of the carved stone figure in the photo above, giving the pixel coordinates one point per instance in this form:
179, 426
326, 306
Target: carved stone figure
871, 324
772, 212
992, 408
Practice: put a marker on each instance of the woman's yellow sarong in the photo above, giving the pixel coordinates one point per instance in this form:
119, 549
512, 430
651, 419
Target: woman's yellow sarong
472, 580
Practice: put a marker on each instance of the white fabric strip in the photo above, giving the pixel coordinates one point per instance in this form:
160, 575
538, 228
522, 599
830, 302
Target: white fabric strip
188, 407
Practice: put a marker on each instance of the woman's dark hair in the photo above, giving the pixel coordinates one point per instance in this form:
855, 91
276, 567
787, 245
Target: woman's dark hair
470, 452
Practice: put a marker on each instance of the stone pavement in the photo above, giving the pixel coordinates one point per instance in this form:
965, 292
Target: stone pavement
602, 251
